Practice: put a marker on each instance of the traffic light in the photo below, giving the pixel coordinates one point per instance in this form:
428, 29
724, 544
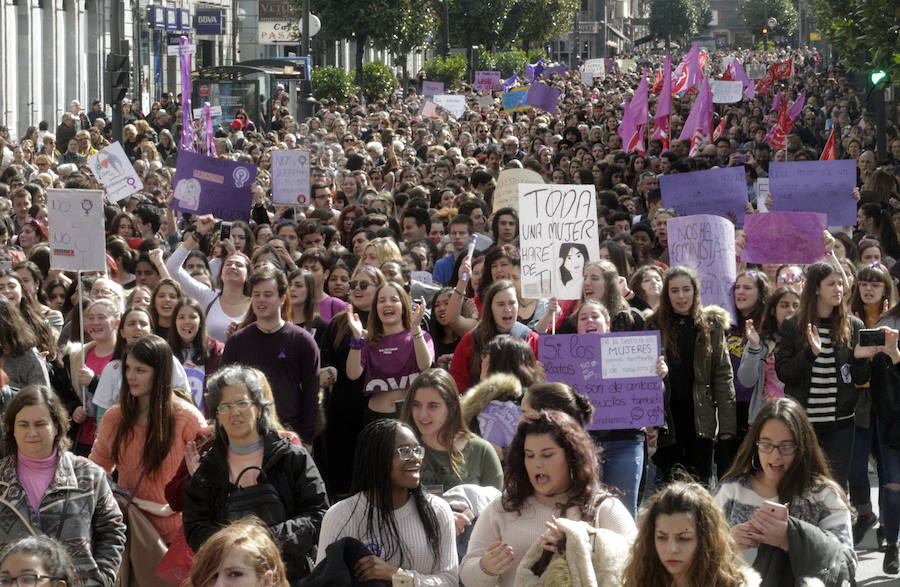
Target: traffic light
117, 77
765, 31
877, 76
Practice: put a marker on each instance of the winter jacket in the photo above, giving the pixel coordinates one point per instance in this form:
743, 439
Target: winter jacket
794, 362
813, 557
78, 509
291, 470
713, 389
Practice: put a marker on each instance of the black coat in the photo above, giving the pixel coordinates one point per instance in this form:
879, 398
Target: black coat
291, 470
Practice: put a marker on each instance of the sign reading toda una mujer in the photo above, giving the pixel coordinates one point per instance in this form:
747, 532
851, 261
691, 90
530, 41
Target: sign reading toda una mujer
616, 371
558, 237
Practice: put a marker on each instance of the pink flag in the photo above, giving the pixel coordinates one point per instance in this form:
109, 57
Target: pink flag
689, 73
738, 74
664, 106
797, 106
639, 111
776, 103
698, 127
626, 127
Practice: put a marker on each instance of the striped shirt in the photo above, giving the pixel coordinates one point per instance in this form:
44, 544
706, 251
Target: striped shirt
820, 407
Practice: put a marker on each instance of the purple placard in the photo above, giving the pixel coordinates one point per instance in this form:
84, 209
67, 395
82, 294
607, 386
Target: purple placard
705, 243
488, 81
557, 69
498, 422
712, 191
784, 237
815, 186
543, 96
616, 371
221, 187
429, 89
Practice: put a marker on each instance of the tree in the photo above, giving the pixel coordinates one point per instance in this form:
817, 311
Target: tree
397, 26
332, 83
679, 19
536, 22
756, 12
377, 79
480, 22
864, 32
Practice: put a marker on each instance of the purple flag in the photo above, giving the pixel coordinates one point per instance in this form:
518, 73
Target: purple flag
543, 96
738, 74
626, 128
664, 103
640, 107
221, 187
797, 107
698, 127
508, 84
784, 237
776, 103
187, 133
208, 131
532, 71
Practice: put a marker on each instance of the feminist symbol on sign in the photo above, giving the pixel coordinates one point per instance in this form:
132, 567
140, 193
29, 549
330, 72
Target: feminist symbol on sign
87, 205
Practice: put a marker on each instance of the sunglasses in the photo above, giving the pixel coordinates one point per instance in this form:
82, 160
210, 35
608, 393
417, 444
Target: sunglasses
362, 285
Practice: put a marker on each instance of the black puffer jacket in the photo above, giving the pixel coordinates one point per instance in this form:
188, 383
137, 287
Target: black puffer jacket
291, 470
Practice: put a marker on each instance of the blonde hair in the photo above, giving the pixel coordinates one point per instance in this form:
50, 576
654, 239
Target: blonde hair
253, 539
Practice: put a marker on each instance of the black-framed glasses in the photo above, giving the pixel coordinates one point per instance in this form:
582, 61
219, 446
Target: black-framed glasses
785, 449
362, 285
407, 452
26, 580
240, 406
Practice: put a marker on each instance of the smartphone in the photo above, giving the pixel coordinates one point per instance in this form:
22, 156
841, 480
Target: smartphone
740, 157
775, 508
871, 337
225, 231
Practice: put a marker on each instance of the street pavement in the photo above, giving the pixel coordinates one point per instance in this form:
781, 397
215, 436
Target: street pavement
869, 571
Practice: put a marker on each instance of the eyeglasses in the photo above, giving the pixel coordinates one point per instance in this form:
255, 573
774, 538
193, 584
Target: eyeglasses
790, 279
785, 449
407, 452
362, 285
240, 406
27, 580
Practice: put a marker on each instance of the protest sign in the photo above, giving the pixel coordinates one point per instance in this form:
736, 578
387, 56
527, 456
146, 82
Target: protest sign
77, 238
597, 67
196, 376
815, 186
213, 111
761, 189
727, 92
205, 185
506, 192
543, 96
558, 235
587, 78
556, 69
616, 371
485, 102
488, 81
784, 237
428, 109
112, 168
498, 421
429, 89
290, 177
755, 70
515, 100
626, 65
455, 104
705, 243
711, 191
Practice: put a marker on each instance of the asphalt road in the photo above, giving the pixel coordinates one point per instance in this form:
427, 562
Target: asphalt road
869, 571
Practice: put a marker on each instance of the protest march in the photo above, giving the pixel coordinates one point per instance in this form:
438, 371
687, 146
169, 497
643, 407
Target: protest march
636, 323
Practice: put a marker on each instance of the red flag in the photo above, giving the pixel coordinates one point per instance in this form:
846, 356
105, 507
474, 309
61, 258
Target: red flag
719, 130
657, 83
726, 77
829, 153
776, 71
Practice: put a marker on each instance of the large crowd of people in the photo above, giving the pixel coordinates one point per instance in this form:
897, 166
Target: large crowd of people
352, 388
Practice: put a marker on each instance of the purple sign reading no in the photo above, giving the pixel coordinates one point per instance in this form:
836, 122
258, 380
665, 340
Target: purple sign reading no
616, 371
206, 185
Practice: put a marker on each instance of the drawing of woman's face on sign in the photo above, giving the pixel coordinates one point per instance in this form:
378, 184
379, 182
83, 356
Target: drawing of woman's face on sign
572, 259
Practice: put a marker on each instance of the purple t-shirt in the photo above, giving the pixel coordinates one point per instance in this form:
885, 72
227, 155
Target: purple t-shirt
329, 306
391, 364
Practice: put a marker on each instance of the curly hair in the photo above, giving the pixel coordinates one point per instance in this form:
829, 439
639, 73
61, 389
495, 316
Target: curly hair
716, 561
586, 492
667, 320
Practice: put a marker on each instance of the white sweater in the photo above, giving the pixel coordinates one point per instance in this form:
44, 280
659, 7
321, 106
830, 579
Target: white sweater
348, 518
521, 530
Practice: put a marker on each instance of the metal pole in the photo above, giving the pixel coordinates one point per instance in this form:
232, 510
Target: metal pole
576, 40
306, 29
117, 43
234, 30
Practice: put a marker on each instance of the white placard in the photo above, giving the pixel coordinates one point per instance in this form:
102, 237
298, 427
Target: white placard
213, 111
629, 357
112, 168
597, 67
558, 234
587, 78
485, 102
755, 70
290, 177
455, 104
628, 65
77, 238
727, 92
762, 190
506, 192
181, 50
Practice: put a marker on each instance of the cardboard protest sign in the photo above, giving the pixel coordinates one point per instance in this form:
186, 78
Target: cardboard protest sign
290, 177
485, 102
77, 237
515, 100
205, 185
727, 92
784, 237
506, 192
755, 70
488, 81
455, 104
429, 89
112, 168
711, 191
815, 186
705, 243
558, 237
616, 371
543, 96
587, 78
761, 189
556, 69
596, 67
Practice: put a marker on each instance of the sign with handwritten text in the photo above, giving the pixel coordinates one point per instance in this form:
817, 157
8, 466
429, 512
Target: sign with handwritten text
488, 81
815, 186
705, 243
616, 371
290, 177
711, 191
77, 238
